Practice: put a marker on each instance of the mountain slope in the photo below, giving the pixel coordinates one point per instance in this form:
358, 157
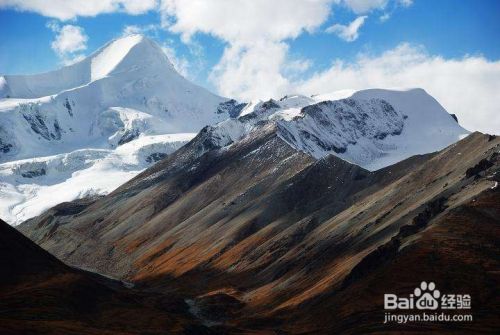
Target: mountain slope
85, 129
254, 231
444, 251
41, 295
81, 117
371, 128
127, 88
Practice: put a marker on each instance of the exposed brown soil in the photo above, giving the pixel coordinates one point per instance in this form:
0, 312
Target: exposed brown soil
261, 238
41, 295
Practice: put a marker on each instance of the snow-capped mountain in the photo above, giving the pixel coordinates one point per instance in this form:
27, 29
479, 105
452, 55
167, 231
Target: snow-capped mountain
127, 88
89, 127
85, 129
371, 128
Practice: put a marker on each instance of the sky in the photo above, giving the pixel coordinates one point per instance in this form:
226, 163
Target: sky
257, 49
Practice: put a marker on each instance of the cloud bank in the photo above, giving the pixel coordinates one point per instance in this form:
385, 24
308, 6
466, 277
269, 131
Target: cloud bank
255, 33
69, 42
349, 32
256, 61
70, 9
466, 86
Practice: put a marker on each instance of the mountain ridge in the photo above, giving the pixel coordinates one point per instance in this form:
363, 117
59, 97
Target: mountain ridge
254, 232
372, 128
125, 107
42, 295
96, 66
99, 132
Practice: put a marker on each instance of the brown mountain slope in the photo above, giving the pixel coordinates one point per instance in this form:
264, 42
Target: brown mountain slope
458, 250
200, 212
41, 295
263, 237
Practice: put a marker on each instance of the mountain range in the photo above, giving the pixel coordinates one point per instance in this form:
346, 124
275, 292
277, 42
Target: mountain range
87, 128
293, 215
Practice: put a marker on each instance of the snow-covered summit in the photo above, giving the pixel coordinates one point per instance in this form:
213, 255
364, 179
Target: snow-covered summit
83, 115
120, 55
371, 128
127, 88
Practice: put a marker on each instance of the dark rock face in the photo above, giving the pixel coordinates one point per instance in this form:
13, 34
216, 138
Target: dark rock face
34, 173
356, 118
270, 104
287, 135
155, 157
208, 139
350, 112
481, 166
38, 123
128, 135
56, 135
343, 123
265, 107
454, 117
68, 107
322, 144
231, 108
5, 147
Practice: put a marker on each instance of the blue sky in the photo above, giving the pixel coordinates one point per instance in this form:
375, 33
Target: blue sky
446, 27
250, 49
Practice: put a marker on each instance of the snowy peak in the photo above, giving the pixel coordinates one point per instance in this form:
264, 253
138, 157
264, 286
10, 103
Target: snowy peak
130, 53
371, 128
333, 126
126, 89
109, 57
87, 128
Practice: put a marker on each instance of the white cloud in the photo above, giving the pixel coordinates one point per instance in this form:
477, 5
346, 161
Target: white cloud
384, 17
388, 12
135, 7
70, 9
365, 6
255, 31
251, 72
149, 30
244, 21
69, 39
350, 32
69, 42
132, 30
466, 86
296, 67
